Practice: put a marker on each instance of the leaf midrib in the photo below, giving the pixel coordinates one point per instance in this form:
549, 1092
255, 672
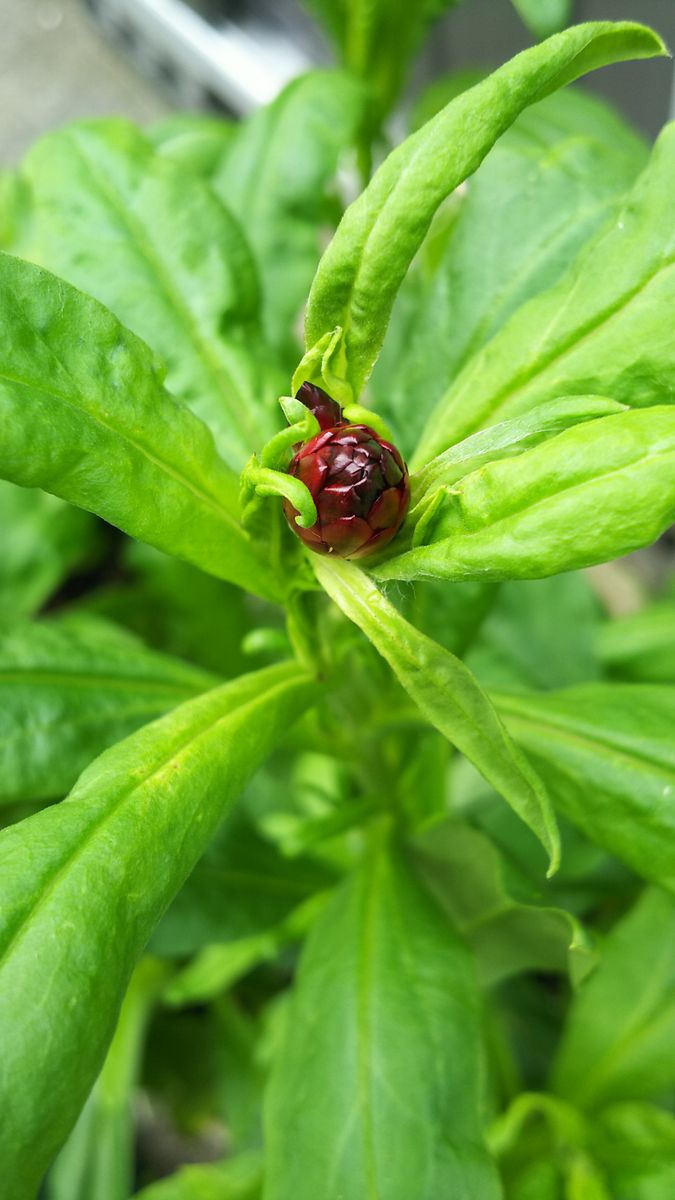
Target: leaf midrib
222, 379
500, 399
585, 741
528, 507
82, 846
96, 419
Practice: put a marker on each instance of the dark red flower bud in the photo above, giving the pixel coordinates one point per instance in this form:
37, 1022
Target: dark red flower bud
360, 487
326, 410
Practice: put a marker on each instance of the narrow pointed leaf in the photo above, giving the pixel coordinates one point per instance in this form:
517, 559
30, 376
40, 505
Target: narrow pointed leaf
83, 415
69, 688
603, 328
607, 755
596, 491
355, 1109
84, 883
548, 186
120, 222
447, 694
362, 269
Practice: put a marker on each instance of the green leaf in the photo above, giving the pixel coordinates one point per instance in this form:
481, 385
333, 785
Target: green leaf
506, 440
590, 494
451, 616
41, 541
70, 688
362, 269
274, 177
194, 141
617, 1043
125, 839
446, 693
548, 185
641, 646
539, 634
176, 608
88, 420
97, 1161
241, 888
607, 754
544, 17
602, 328
239, 1178
355, 1109
118, 221
635, 1137
376, 40
218, 966
471, 882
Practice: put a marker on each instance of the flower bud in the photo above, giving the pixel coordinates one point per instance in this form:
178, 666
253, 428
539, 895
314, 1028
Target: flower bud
358, 481
326, 410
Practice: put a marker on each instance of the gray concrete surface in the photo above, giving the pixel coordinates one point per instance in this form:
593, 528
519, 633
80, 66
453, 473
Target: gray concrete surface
54, 66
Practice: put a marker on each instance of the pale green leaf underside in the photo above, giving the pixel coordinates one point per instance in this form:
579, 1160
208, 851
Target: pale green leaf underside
607, 755
363, 267
447, 694
125, 840
355, 1109
83, 415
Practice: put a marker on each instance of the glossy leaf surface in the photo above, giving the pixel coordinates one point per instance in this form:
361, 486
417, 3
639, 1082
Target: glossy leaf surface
547, 186
362, 269
602, 328
593, 493
400, 1115
170, 261
86, 418
126, 838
